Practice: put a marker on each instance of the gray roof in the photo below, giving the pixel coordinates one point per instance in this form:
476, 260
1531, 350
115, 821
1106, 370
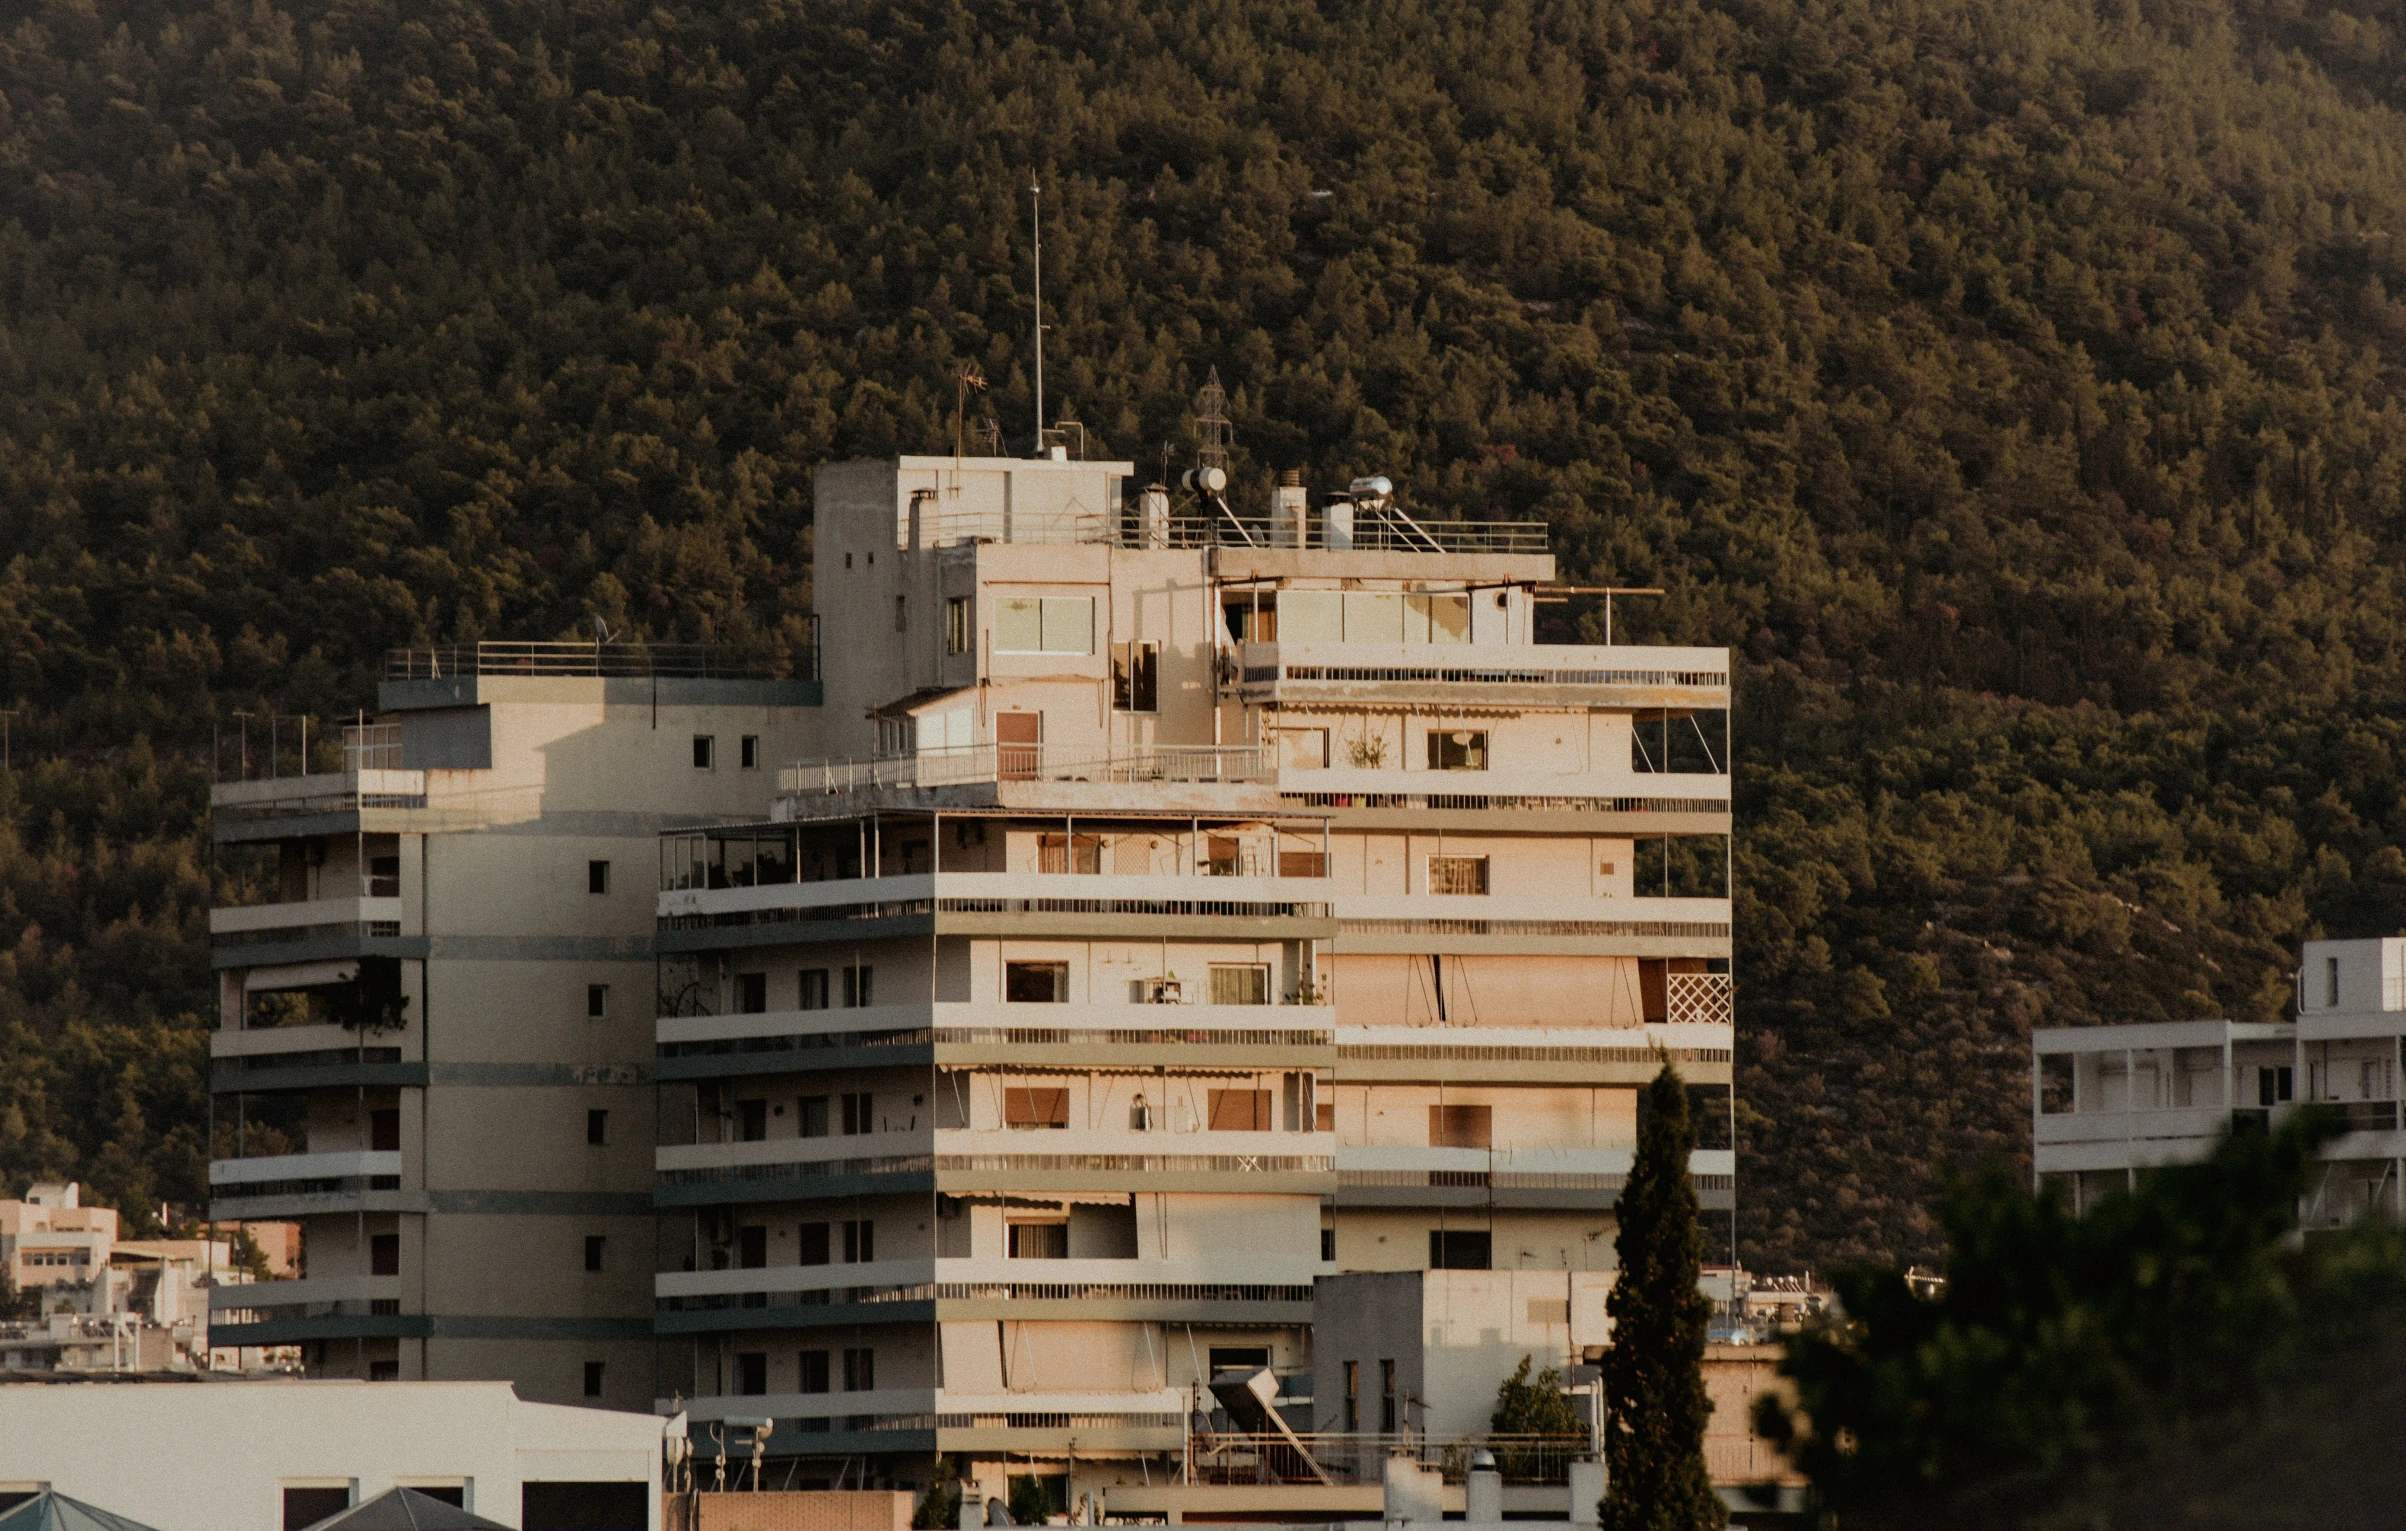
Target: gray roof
400, 1509
53, 1511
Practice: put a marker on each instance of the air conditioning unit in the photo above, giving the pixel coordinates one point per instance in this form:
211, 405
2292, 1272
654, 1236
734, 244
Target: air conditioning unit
1164, 991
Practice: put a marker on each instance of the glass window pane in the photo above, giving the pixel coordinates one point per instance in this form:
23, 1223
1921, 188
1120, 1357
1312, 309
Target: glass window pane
1019, 625
1310, 616
1069, 624
1373, 618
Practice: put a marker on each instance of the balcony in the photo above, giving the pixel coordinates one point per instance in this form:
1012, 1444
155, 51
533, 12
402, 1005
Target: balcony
1437, 674
255, 935
1374, 1176
313, 1296
1090, 779
1497, 925
993, 1280
965, 1034
298, 1185
1165, 1159
269, 1059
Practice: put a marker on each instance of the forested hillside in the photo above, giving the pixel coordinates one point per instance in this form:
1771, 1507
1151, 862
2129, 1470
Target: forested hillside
2011, 382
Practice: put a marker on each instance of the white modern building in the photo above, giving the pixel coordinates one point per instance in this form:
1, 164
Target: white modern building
1178, 906
2109, 1101
278, 1456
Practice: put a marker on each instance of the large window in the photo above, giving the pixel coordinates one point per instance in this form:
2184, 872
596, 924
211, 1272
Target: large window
1246, 983
1036, 983
1458, 1250
1457, 874
1044, 625
1136, 677
1240, 1111
959, 625
1358, 616
1036, 1107
1039, 1241
1069, 853
1458, 749
1461, 1126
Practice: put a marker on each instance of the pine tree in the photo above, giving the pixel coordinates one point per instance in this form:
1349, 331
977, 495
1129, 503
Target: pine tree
1654, 1372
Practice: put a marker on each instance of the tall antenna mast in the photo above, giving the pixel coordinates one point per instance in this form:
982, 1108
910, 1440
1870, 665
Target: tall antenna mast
1036, 219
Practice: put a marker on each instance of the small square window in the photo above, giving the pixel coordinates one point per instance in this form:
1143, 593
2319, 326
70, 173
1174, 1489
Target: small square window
595, 1243
814, 1371
751, 1372
597, 1127
751, 752
858, 985
593, 1379
384, 1254
856, 1113
814, 988
751, 993
597, 877
705, 752
597, 1001
1036, 983
1460, 749
814, 1116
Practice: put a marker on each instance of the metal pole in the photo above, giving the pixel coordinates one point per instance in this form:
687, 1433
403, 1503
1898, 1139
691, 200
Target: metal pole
1036, 221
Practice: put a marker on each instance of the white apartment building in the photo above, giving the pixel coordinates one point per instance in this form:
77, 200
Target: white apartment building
1176, 907
437, 993
2109, 1101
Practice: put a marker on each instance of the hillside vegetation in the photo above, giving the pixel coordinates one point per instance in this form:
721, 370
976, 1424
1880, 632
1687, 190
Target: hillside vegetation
2010, 382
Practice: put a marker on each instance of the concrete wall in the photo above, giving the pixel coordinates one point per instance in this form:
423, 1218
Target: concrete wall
217, 1456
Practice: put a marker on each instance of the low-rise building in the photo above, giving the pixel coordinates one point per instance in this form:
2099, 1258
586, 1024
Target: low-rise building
2109, 1101
280, 1455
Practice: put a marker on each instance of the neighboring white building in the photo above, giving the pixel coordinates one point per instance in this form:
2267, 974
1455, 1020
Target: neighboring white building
276, 1456
106, 1304
1185, 906
444, 994
2109, 1101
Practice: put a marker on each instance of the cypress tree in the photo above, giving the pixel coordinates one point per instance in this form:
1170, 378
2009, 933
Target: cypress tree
1654, 1371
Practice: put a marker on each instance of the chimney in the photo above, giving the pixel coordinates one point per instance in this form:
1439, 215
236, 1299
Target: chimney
1290, 512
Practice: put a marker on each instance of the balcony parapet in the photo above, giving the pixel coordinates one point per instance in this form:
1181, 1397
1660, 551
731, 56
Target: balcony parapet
311, 1292
1116, 1277
1488, 676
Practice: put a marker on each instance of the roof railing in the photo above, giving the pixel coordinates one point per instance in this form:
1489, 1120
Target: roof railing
573, 658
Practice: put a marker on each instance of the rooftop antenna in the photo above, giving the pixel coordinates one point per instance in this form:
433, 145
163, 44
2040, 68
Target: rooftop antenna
966, 379
1211, 425
1036, 221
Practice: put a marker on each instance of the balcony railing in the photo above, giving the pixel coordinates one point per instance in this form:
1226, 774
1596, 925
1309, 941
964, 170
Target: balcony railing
976, 764
701, 660
1372, 530
1232, 1457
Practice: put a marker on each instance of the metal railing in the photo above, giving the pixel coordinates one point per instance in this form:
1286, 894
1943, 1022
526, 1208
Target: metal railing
1361, 1457
705, 660
1374, 531
970, 764
1703, 998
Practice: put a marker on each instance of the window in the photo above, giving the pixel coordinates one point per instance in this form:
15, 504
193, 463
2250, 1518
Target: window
958, 625
1297, 1104
1038, 1241
814, 988
750, 752
860, 1241
1458, 874
595, 1243
1386, 1397
813, 1119
308, 1506
1353, 1396
597, 877
1458, 750
1240, 1111
1461, 1126
1059, 854
384, 1130
1036, 1108
1136, 677
857, 986
1240, 983
1328, 1254
752, 1372
2330, 981
751, 1247
856, 1113
384, 877
384, 1254
1456, 1250
902, 613
597, 1001
751, 1120
813, 1371
597, 1127
593, 1379
705, 752
751, 993
1044, 625
860, 1370
2274, 1085
813, 1239
1036, 983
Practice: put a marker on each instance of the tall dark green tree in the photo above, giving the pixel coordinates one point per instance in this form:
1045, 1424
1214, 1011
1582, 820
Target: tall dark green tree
1654, 1372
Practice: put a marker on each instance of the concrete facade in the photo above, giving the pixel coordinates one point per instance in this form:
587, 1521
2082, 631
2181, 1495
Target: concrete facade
470, 1164
1180, 912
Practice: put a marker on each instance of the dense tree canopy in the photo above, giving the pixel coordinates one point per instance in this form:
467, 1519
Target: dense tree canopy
2011, 382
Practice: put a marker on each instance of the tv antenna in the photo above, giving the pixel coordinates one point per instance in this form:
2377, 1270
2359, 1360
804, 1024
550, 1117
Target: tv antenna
1036, 222
966, 379
1211, 425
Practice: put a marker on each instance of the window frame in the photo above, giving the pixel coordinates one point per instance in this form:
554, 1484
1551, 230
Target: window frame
705, 752
1472, 746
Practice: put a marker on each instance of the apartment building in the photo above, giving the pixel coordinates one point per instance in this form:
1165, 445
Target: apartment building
2109, 1101
434, 1040
1180, 905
